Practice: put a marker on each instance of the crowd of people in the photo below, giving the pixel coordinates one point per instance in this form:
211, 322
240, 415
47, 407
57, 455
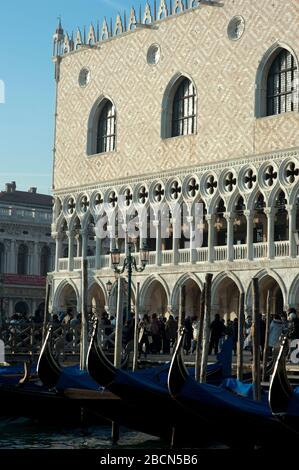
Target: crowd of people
157, 334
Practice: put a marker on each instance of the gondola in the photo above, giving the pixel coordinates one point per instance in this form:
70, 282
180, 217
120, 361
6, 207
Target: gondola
236, 421
283, 398
148, 406
62, 396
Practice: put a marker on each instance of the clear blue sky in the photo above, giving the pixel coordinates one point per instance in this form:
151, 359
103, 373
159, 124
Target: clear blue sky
26, 117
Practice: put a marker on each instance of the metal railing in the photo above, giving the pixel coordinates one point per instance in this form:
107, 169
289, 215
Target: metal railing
26, 339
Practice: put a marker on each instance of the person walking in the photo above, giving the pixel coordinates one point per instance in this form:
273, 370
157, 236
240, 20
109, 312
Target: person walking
171, 328
217, 330
156, 334
144, 335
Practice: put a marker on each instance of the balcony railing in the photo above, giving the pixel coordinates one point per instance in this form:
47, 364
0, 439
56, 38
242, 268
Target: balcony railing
34, 215
260, 250
220, 253
184, 256
240, 252
167, 257
202, 255
282, 249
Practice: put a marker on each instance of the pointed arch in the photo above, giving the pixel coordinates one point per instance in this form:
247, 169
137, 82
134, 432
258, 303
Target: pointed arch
261, 82
101, 131
158, 303
174, 122
59, 291
180, 282
262, 275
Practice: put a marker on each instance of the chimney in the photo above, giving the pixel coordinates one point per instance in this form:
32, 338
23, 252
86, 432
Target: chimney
13, 186
33, 190
8, 188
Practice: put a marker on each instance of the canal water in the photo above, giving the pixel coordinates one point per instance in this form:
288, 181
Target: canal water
22, 433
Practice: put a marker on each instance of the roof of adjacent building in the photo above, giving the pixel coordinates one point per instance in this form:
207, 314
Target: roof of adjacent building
25, 198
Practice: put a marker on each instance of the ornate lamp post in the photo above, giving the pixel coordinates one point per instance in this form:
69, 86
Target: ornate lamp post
129, 264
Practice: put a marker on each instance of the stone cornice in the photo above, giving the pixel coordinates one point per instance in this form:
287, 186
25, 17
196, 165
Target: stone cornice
236, 163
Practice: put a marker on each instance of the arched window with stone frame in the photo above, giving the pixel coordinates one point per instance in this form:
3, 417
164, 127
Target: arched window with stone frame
281, 87
277, 77
102, 127
179, 108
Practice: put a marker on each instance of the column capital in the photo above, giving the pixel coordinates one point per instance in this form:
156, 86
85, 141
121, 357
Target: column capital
229, 216
290, 207
269, 211
57, 235
210, 218
248, 213
189, 219
70, 234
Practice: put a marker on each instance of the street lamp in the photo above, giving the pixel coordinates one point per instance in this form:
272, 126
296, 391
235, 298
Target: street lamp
129, 264
109, 286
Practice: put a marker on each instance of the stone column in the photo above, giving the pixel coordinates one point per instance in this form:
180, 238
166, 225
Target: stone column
58, 247
30, 260
7, 256
13, 257
84, 237
176, 234
292, 230
70, 236
36, 259
269, 211
210, 218
98, 252
193, 252
157, 226
79, 244
230, 236
249, 237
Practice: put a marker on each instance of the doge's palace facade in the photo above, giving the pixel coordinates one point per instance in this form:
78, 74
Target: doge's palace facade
185, 102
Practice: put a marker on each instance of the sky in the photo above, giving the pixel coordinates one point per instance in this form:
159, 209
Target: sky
27, 81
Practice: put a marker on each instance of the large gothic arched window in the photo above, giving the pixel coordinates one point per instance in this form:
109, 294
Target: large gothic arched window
184, 109
281, 84
106, 128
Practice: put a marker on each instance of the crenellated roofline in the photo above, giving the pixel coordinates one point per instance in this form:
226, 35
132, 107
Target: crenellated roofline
65, 43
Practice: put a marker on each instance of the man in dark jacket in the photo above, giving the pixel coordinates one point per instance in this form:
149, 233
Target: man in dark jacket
217, 330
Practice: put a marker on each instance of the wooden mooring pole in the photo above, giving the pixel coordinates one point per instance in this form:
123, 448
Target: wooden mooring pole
46, 311
256, 369
267, 331
240, 344
136, 343
118, 346
200, 334
206, 329
181, 320
84, 317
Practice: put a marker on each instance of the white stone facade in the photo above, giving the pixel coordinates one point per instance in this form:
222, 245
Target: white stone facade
27, 250
234, 152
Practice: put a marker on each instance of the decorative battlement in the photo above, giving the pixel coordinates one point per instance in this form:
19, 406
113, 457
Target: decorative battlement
63, 43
